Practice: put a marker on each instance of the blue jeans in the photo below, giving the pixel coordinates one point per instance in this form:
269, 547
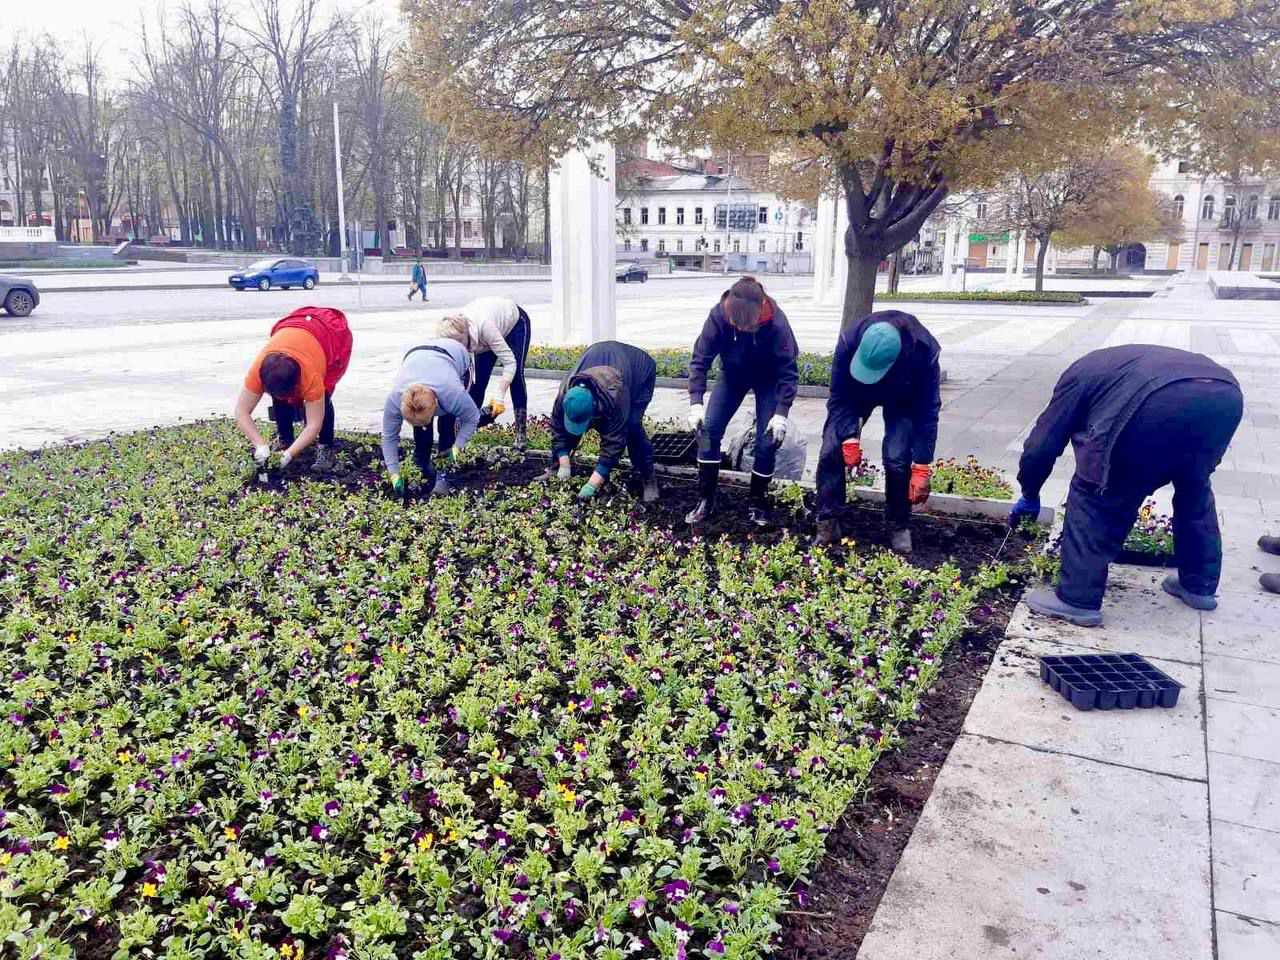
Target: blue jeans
726, 398
899, 432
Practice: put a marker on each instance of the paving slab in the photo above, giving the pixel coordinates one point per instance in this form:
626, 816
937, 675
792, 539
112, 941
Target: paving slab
1244, 681
1244, 730
1245, 626
1244, 938
1136, 619
1017, 854
1245, 791
1246, 871
1013, 704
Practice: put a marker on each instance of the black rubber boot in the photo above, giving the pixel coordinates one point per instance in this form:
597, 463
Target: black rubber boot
758, 500
522, 424
708, 477
1269, 545
828, 532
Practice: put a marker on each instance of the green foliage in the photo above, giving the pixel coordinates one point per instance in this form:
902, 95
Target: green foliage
498, 716
986, 296
815, 368
969, 478
1152, 532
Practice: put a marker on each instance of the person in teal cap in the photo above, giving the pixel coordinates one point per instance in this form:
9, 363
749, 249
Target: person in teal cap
887, 360
609, 389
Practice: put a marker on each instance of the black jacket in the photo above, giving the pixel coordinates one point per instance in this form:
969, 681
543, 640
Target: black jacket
912, 386
766, 359
1095, 399
619, 377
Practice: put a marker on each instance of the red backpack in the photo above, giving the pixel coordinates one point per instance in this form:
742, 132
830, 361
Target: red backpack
329, 327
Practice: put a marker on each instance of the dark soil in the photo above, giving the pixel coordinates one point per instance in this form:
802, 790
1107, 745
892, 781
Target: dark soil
865, 845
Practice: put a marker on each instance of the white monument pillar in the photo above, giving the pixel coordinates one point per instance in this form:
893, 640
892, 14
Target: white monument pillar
1011, 255
1022, 253
583, 247
949, 255
823, 239
839, 258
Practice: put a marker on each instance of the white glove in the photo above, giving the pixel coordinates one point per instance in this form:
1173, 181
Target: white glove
697, 414
777, 429
565, 471
260, 453
286, 458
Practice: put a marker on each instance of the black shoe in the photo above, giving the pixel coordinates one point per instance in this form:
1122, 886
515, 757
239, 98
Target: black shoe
1269, 545
708, 477
828, 532
759, 514
650, 492
758, 500
522, 427
1270, 582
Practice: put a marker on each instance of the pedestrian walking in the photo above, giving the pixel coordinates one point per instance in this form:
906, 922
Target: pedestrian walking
418, 282
500, 334
429, 386
609, 389
887, 360
750, 334
300, 367
1138, 417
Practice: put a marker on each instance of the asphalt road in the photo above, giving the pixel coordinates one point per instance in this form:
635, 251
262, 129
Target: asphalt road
68, 310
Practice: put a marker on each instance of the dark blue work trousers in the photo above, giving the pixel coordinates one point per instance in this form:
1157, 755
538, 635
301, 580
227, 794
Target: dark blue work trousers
899, 432
726, 398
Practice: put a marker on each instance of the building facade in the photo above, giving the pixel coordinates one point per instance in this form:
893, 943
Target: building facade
698, 216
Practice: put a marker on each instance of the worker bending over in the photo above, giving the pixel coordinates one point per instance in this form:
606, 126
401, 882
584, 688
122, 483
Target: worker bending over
887, 360
500, 333
749, 332
1138, 417
431, 383
300, 367
609, 389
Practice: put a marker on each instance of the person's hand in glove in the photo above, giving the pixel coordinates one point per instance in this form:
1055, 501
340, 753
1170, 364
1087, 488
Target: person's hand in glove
261, 453
851, 450
1027, 508
918, 490
286, 458
495, 408
588, 492
397, 483
697, 416
777, 429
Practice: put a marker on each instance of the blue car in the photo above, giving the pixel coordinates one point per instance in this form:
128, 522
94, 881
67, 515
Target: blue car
282, 272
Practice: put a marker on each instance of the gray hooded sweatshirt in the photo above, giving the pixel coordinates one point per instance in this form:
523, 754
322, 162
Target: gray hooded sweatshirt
440, 365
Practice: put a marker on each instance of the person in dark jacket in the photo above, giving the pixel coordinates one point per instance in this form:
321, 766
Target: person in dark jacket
887, 360
610, 390
749, 332
1138, 417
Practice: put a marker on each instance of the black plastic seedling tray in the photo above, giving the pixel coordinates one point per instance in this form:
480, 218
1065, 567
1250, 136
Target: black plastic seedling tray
1109, 681
675, 448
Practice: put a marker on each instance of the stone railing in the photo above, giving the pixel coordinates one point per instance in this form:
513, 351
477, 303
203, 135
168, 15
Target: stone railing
27, 235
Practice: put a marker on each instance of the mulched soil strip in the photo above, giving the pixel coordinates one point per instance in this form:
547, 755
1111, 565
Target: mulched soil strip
864, 847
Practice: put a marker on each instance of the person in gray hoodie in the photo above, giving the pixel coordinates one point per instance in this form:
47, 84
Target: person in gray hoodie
431, 382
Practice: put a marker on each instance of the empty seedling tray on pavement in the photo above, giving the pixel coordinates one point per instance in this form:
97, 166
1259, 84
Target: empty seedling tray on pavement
674, 448
1110, 681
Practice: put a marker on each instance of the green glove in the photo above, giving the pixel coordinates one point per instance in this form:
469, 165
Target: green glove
587, 492
397, 483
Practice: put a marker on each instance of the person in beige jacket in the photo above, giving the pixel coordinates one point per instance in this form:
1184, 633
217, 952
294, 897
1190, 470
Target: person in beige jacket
500, 334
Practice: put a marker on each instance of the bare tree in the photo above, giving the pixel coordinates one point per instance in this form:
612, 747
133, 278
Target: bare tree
373, 51
87, 117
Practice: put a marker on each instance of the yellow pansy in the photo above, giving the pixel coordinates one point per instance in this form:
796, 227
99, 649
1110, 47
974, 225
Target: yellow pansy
61, 843
148, 889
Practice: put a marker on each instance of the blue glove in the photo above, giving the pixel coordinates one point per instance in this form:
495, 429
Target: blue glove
1027, 508
587, 492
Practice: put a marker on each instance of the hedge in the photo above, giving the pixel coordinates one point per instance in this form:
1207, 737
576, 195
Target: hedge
815, 368
989, 296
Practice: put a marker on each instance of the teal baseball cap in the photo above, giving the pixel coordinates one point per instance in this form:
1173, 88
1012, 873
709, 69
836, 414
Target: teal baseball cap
579, 407
879, 348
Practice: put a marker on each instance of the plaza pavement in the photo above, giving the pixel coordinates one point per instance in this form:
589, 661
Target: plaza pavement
1050, 833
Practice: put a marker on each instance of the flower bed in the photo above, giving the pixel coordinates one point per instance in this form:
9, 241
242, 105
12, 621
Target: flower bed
244, 722
969, 478
1150, 542
987, 296
815, 368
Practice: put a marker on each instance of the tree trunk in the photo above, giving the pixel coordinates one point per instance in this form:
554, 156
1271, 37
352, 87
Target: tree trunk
546, 213
895, 270
1041, 253
1097, 252
859, 289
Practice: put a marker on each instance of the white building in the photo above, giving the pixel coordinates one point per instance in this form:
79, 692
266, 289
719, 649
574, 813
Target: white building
698, 218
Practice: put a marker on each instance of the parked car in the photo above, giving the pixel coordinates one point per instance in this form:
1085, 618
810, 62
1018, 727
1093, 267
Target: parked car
282, 272
630, 272
18, 296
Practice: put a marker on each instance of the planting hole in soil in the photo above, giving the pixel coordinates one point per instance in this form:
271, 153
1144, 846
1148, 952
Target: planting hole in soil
284, 719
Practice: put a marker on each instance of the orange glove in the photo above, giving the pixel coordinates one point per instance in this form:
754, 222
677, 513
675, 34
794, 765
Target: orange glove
851, 449
918, 491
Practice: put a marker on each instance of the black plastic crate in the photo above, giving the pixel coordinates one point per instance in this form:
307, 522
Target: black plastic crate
1109, 681
675, 448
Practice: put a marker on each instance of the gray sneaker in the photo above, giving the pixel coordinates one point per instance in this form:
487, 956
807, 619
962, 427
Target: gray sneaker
650, 494
323, 461
900, 542
1270, 582
1046, 602
1200, 601
443, 484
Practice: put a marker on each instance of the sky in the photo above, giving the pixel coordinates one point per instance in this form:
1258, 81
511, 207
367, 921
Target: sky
114, 23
